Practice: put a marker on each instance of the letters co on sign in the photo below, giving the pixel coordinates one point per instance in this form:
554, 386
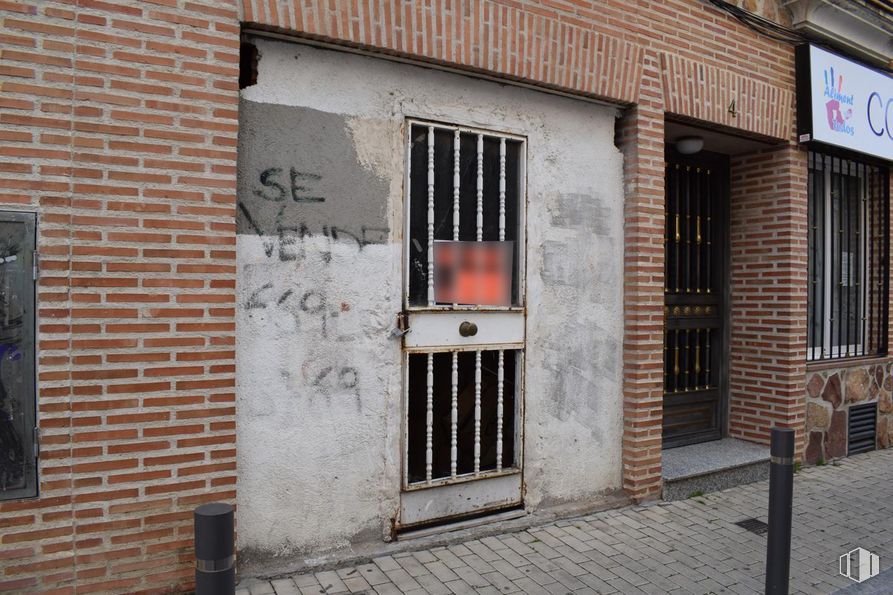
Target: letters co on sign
842, 103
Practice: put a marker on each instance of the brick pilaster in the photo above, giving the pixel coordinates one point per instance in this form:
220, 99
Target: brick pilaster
769, 293
641, 138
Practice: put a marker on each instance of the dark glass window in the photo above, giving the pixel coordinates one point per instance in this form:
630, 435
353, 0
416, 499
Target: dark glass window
18, 453
848, 258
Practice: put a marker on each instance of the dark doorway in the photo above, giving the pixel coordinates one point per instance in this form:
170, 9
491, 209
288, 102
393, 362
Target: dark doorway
696, 295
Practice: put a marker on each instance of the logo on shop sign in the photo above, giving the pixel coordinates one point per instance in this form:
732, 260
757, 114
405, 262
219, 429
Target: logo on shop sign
838, 105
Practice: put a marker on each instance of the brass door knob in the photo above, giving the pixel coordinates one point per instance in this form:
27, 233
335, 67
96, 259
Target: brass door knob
468, 329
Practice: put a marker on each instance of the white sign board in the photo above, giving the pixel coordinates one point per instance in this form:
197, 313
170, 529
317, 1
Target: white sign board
844, 103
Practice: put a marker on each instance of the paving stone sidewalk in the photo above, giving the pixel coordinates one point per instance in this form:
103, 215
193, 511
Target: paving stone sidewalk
689, 546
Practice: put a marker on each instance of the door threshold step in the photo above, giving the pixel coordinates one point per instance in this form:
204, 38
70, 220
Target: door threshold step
477, 521
712, 466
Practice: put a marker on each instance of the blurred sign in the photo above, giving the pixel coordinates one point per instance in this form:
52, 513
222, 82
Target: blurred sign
473, 273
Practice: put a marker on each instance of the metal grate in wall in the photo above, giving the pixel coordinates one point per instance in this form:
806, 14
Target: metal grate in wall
862, 428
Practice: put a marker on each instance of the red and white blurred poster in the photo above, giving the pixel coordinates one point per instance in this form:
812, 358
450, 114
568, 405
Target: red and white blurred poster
473, 273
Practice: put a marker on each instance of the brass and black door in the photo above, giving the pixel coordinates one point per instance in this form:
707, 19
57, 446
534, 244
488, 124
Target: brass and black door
695, 295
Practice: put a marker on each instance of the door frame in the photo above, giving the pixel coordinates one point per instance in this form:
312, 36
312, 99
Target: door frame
494, 478
720, 163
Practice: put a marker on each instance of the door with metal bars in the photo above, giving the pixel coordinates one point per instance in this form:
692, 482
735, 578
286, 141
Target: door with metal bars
695, 278
463, 322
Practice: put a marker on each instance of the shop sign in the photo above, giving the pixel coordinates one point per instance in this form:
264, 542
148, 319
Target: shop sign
843, 103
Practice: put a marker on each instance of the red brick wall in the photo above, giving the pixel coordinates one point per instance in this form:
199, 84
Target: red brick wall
715, 95
539, 40
118, 127
769, 293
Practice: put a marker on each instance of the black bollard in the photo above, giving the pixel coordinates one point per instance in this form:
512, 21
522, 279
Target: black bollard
215, 559
781, 494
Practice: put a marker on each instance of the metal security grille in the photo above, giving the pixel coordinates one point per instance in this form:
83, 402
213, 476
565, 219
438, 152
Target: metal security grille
694, 276
464, 185
464, 361
466, 429
848, 258
862, 428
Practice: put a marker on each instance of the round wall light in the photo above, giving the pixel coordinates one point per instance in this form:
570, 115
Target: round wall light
689, 145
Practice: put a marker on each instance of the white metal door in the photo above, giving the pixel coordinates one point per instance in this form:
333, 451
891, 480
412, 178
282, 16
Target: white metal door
463, 352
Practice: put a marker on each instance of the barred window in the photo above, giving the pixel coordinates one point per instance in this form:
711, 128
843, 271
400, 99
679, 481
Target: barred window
848, 258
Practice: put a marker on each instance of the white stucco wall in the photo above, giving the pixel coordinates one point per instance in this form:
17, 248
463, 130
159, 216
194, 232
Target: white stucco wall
319, 378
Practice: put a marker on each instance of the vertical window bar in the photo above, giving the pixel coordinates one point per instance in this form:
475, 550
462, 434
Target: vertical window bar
707, 359
430, 215
687, 229
821, 249
882, 262
408, 185
810, 267
812, 208
480, 189
878, 205
853, 232
839, 254
477, 412
500, 387
477, 355
846, 284
454, 415
869, 259
884, 199
677, 234
874, 269
456, 183
868, 314
698, 237
668, 224
429, 419
683, 384
861, 200
501, 190
676, 363
830, 258
697, 358
709, 231
873, 206
877, 280
869, 256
